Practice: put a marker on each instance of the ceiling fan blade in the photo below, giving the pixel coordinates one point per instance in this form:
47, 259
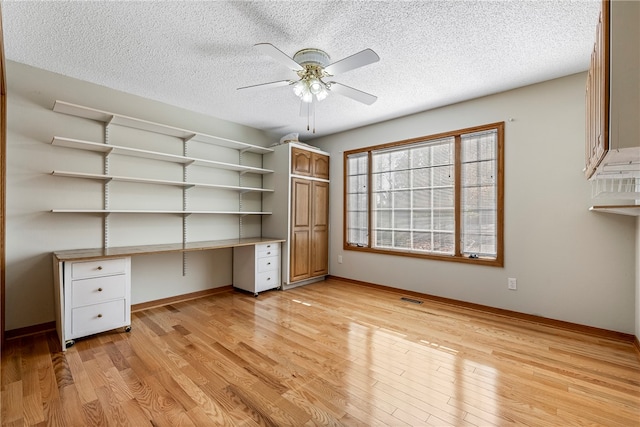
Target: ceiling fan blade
278, 55
355, 94
354, 61
267, 85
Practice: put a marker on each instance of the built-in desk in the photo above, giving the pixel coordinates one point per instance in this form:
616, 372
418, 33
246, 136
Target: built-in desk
93, 286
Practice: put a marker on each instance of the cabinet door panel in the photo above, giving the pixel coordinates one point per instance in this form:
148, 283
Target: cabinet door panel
300, 203
320, 229
301, 229
320, 164
300, 162
300, 251
320, 252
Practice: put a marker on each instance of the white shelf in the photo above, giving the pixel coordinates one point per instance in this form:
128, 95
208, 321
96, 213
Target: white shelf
135, 152
131, 122
146, 211
156, 181
630, 210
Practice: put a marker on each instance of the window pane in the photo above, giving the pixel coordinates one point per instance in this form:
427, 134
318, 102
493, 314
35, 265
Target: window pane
418, 204
357, 199
479, 189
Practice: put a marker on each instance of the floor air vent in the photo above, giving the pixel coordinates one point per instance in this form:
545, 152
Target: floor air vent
412, 301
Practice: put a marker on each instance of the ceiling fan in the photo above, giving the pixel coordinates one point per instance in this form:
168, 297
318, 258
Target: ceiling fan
312, 67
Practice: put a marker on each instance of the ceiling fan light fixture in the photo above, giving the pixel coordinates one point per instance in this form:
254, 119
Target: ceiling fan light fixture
307, 97
315, 86
322, 94
300, 88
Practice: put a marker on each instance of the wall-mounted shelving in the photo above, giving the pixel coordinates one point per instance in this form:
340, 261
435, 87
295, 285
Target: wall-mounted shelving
156, 211
630, 210
135, 123
101, 177
183, 137
153, 155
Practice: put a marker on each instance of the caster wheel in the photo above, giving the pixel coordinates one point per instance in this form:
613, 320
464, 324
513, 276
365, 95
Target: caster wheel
69, 343
127, 328
255, 295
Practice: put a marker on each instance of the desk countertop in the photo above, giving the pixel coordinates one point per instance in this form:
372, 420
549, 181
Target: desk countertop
102, 253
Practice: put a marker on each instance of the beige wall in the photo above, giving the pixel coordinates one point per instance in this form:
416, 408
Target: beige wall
571, 264
33, 232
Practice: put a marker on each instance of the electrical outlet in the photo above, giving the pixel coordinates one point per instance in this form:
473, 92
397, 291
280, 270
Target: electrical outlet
339, 259
512, 283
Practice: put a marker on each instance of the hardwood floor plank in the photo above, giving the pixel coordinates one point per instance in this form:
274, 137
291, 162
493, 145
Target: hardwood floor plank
331, 353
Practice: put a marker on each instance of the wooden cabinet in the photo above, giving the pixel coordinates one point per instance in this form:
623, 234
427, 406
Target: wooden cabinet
301, 213
256, 268
96, 297
612, 148
309, 163
597, 97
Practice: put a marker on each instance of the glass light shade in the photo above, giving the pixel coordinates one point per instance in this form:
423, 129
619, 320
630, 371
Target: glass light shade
322, 94
307, 97
315, 86
300, 88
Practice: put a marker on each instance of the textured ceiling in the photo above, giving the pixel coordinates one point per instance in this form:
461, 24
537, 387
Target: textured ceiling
195, 54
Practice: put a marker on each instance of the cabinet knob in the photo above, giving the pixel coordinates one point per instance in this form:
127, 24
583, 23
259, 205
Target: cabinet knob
99, 315
268, 253
268, 278
99, 289
268, 263
99, 267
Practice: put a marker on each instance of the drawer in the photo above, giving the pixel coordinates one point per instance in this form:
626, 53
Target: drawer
98, 289
267, 280
267, 250
96, 318
104, 267
268, 263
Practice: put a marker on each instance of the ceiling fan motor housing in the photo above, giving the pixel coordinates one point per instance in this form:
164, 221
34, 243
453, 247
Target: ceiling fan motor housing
311, 56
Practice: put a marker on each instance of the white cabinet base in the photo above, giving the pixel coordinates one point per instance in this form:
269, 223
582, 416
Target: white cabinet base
95, 296
256, 268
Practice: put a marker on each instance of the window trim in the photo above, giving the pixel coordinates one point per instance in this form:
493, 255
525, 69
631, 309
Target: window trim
498, 261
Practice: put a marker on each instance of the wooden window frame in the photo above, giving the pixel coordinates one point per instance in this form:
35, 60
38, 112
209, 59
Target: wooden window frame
498, 261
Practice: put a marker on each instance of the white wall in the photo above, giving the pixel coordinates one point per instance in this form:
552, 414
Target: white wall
33, 232
571, 264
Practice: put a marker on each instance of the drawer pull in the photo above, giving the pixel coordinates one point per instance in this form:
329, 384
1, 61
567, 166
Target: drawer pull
268, 253
268, 278
99, 289
99, 267
99, 315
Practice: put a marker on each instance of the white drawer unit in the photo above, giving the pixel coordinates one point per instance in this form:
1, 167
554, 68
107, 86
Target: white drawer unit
256, 268
96, 297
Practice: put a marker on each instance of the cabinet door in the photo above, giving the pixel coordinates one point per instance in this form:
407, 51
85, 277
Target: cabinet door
301, 162
300, 257
320, 229
320, 165
597, 97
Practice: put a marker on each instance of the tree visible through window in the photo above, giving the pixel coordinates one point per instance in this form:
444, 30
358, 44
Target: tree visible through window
438, 196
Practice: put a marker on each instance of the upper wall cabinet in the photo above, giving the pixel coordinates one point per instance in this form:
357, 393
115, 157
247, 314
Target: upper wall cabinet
613, 95
612, 157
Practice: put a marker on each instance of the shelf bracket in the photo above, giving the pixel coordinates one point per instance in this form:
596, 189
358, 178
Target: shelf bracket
185, 171
106, 186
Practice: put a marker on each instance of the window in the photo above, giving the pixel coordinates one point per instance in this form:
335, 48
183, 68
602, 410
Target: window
437, 197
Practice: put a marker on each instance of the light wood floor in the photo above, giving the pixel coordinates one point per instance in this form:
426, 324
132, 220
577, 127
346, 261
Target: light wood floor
331, 353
